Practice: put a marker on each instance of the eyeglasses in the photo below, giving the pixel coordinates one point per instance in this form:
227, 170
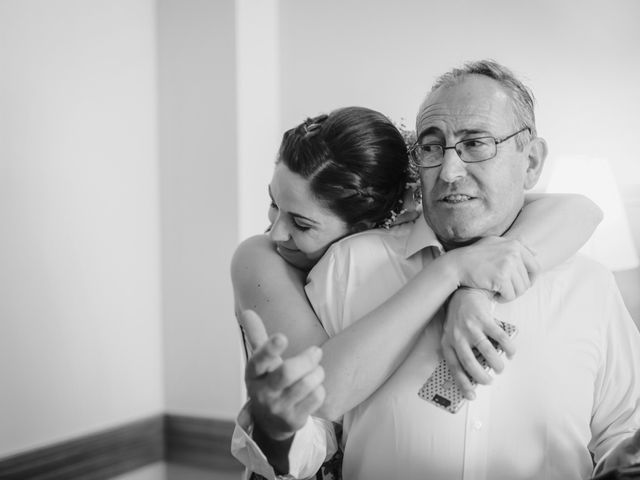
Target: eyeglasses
472, 150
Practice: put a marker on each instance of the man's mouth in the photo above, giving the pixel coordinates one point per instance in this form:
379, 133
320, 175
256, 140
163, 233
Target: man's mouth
456, 198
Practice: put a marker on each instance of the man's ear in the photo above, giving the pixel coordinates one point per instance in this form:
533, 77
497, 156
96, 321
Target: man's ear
536, 155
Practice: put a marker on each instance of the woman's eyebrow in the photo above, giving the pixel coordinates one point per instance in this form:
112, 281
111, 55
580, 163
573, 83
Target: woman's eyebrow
293, 214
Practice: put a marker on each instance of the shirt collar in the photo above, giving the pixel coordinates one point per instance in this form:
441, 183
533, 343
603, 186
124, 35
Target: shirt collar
421, 237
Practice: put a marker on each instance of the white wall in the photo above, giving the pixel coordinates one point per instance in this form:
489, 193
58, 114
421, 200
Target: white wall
258, 108
581, 58
199, 205
79, 278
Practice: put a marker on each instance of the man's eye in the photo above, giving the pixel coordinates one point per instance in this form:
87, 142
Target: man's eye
477, 142
273, 205
430, 147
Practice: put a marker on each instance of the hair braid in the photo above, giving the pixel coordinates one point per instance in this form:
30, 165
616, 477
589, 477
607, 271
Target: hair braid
355, 160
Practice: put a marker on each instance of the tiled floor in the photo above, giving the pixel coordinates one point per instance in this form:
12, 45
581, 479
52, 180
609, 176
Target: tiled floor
169, 471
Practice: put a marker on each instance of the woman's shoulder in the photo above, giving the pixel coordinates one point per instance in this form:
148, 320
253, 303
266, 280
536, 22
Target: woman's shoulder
251, 253
256, 243
256, 259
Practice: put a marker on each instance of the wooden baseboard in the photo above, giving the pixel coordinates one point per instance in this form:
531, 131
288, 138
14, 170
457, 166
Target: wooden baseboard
199, 442
97, 456
194, 441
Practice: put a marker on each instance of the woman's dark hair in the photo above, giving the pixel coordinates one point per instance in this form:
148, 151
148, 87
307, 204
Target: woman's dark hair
355, 160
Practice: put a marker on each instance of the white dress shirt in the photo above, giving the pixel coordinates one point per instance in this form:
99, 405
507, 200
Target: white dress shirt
572, 387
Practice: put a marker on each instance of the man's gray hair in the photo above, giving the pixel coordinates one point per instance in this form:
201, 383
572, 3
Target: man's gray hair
522, 96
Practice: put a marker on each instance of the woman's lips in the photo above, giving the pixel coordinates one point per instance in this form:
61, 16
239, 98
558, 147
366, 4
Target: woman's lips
287, 249
293, 256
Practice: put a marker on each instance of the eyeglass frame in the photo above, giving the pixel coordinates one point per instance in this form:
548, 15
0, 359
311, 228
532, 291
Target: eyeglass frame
497, 141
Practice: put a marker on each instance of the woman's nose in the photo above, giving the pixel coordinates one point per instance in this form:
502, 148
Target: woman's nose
279, 231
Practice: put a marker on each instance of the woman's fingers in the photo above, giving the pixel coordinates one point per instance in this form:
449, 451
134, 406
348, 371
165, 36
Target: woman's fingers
471, 364
485, 345
485, 348
299, 390
506, 290
459, 375
309, 404
267, 358
295, 368
283, 398
495, 332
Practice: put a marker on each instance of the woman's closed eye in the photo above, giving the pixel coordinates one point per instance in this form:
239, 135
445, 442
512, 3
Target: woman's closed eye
300, 226
297, 223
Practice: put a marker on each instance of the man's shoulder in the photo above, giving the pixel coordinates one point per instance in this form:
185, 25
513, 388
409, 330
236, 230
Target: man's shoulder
584, 269
580, 279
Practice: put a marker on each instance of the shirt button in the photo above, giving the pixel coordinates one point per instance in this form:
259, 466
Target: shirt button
477, 425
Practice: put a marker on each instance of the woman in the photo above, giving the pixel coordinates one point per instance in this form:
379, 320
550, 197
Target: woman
340, 174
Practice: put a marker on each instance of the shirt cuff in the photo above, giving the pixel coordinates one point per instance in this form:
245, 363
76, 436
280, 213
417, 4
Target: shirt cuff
311, 446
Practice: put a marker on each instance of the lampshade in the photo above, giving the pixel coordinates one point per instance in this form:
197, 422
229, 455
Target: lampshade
612, 243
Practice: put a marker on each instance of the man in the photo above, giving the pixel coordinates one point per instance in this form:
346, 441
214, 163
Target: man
572, 390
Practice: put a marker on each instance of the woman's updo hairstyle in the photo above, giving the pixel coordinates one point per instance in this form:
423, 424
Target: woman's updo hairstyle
356, 162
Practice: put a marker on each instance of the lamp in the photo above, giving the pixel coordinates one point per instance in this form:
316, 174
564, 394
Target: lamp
612, 242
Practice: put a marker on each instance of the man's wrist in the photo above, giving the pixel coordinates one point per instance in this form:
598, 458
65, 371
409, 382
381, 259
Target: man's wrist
275, 449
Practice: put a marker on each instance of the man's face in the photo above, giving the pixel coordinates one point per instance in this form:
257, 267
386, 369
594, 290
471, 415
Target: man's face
465, 201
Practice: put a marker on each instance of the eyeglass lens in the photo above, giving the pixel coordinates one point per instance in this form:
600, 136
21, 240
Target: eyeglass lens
472, 150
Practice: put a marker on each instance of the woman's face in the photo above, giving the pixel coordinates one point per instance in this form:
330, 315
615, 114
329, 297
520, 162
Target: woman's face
301, 227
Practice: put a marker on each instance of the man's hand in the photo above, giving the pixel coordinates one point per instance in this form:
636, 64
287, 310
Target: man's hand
625, 454
283, 392
469, 323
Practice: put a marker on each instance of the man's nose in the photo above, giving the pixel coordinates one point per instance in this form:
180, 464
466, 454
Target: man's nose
279, 231
452, 168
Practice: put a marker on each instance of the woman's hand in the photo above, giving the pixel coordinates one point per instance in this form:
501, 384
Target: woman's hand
468, 325
283, 392
505, 267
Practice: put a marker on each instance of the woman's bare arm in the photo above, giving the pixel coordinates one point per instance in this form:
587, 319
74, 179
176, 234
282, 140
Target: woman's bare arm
274, 289
555, 226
